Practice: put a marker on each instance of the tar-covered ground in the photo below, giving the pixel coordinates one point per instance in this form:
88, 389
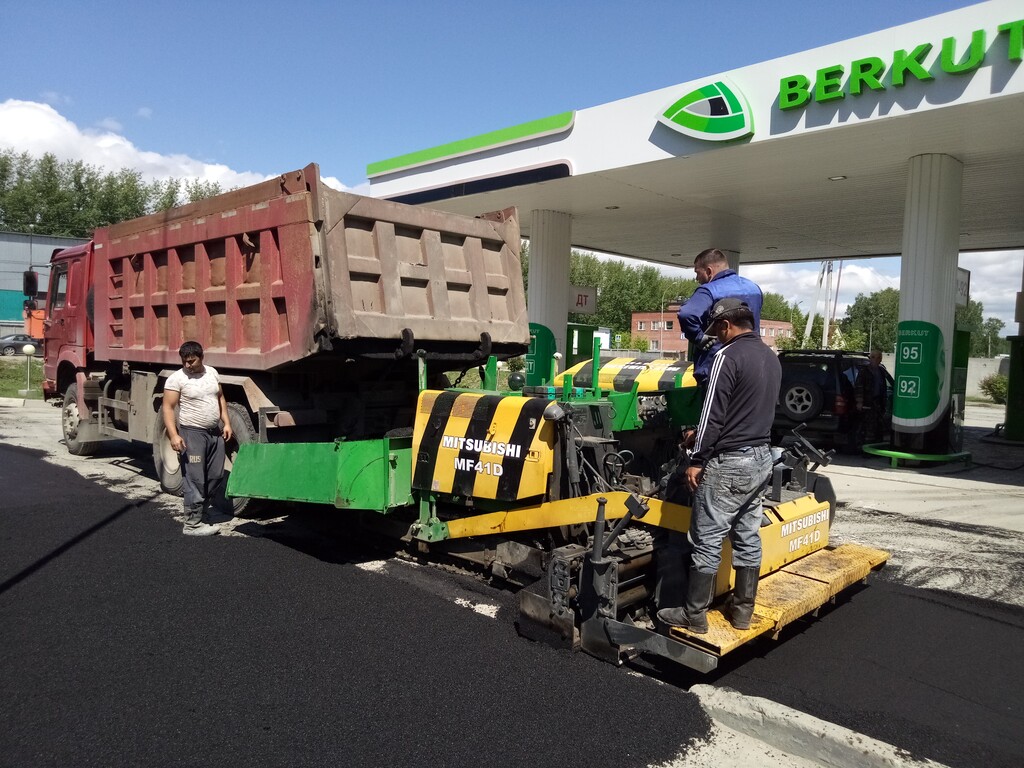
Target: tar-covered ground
125, 643
936, 674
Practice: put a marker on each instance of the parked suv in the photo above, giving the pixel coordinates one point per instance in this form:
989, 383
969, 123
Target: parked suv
818, 392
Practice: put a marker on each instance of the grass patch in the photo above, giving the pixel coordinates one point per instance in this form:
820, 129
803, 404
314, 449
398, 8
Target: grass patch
472, 379
12, 377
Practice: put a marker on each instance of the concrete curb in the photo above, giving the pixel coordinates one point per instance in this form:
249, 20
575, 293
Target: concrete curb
800, 734
21, 402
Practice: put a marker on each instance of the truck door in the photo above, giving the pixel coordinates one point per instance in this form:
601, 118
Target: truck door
64, 337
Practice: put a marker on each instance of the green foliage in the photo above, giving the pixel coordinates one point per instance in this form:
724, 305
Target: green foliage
623, 289
516, 364
631, 343
996, 387
775, 307
990, 338
854, 341
876, 316
70, 198
788, 342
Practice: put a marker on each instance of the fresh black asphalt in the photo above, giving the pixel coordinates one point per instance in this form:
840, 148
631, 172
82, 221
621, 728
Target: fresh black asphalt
125, 643
939, 675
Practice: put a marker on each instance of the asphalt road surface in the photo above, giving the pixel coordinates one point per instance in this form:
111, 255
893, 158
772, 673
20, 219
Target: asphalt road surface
125, 643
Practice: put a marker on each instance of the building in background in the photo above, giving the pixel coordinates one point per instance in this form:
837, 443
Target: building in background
18, 253
663, 334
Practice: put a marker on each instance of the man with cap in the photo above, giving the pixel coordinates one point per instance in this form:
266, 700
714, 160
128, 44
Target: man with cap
716, 281
729, 464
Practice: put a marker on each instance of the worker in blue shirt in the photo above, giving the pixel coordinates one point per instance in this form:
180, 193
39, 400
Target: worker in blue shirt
716, 281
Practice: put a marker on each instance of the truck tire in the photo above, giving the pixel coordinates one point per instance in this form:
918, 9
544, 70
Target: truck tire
70, 419
165, 460
242, 431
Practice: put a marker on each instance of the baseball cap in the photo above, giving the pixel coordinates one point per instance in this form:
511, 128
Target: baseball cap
723, 308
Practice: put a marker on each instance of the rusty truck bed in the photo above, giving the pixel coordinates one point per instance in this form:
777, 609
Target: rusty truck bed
276, 272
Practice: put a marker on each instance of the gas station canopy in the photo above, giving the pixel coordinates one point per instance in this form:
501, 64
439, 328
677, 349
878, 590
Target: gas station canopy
804, 157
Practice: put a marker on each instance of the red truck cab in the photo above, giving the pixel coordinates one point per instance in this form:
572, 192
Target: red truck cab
68, 329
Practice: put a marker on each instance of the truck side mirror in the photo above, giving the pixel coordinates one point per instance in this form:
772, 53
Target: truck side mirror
30, 283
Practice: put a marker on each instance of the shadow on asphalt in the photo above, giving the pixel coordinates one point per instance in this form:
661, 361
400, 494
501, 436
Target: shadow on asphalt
71, 543
315, 531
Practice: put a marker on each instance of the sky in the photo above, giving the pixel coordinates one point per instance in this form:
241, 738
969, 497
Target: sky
234, 92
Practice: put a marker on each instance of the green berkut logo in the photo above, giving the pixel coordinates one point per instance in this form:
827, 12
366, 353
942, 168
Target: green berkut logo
713, 112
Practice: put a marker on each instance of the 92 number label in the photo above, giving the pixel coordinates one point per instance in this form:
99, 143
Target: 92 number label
908, 386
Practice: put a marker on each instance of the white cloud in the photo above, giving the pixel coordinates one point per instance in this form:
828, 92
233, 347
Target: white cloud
36, 128
799, 282
995, 281
144, 112
110, 124
55, 98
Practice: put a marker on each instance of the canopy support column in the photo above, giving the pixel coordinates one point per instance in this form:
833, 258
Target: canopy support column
547, 298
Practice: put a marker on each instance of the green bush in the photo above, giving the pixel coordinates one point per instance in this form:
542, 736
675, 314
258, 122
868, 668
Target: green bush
995, 386
516, 364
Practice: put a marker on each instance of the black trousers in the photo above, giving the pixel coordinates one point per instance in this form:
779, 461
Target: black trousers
202, 465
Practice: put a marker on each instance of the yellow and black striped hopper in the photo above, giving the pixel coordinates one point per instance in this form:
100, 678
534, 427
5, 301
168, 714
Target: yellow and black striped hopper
482, 446
619, 373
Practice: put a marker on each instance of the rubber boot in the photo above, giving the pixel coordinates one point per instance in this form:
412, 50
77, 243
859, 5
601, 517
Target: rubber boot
672, 561
741, 603
694, 613
194, 525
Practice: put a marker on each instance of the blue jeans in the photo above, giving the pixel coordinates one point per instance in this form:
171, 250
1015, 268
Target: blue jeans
725, 503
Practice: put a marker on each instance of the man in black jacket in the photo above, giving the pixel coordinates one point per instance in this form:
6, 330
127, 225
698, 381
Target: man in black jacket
729, 464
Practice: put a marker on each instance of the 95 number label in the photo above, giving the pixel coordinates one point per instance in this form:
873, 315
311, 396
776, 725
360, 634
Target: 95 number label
911, 352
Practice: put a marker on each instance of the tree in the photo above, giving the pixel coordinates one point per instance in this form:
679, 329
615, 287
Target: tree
775, 307
876, 316
991, 331
70, 198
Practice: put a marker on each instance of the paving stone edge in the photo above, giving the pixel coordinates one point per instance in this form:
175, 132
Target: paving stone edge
800, 734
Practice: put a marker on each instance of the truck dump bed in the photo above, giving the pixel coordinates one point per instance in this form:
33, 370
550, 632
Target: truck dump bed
276, 272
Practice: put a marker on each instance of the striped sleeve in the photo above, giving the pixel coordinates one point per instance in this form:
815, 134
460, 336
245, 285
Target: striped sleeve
721, 383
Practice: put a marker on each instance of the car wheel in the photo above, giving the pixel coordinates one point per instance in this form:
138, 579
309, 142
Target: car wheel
9, 351
71, 419
802, 401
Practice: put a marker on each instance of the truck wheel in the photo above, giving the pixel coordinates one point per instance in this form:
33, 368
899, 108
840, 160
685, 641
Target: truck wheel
165, 460
242, 431
70, 420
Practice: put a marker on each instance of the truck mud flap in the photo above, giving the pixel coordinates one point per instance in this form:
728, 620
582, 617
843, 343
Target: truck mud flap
788, 594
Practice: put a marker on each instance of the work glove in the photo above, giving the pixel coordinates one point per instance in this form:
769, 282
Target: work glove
706, 343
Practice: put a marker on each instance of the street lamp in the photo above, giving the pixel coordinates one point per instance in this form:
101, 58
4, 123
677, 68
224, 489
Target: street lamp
28, 350
791, 310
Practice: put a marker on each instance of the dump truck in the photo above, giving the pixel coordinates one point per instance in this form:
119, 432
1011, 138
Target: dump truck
318, 308
337, 323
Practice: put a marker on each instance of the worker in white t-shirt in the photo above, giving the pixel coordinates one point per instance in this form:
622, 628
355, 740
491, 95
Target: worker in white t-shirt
197, 435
